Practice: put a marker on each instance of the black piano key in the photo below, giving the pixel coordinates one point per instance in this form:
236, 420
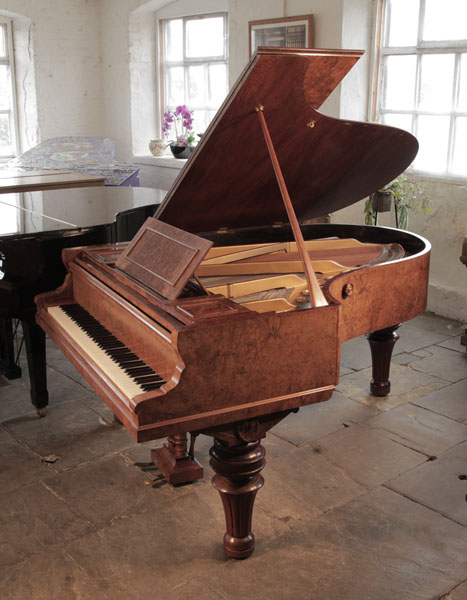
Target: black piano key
149, 380
127, 360
122, 350
131, 364
140, 370
151, 387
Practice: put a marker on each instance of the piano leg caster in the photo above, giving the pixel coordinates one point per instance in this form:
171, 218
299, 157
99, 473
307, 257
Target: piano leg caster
381, 345
175, 463
41, 412
237, 480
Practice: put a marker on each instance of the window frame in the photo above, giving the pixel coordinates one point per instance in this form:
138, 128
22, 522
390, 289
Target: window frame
8, 60
422, 48
187, 61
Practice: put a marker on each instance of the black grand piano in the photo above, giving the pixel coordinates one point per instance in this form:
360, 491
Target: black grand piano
224, 314
43, 223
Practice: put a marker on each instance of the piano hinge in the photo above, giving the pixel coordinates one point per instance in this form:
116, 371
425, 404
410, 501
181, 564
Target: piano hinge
278, 224
222, 230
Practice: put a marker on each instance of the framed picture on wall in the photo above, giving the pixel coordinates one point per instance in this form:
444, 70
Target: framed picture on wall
286, 32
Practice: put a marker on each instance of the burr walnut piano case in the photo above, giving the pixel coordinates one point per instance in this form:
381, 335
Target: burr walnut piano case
200, 360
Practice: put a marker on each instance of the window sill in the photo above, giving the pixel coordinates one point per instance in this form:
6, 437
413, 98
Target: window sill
435, 178
169, 162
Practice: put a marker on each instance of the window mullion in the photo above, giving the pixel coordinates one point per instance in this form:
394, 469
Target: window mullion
417, 90
421, 23
12, 112
387, 20
455, 104
418, 70
207, 84
185, 69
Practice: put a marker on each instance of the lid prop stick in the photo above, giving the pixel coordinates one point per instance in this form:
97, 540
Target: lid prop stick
316, 295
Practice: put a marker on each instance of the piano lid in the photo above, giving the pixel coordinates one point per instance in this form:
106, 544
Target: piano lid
327, 163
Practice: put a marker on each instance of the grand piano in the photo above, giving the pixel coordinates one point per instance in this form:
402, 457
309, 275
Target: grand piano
42, 224
227, 310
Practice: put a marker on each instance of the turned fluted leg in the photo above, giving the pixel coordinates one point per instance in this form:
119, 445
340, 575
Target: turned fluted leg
381, 345
237, 480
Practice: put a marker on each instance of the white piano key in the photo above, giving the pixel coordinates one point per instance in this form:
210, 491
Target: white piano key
118, 376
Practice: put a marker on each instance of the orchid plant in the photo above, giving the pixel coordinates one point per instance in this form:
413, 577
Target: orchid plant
181, 120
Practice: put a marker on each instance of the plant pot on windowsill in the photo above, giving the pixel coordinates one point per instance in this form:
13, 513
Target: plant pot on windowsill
181, 151
157, 147
381, 201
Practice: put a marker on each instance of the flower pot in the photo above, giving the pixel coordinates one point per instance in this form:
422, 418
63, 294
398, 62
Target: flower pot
157, 147
381, 201
181, 151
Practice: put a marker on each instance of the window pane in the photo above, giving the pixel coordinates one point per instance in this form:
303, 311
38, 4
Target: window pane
433, 134
395, 120
8, 218
3, 37
205, 37
399, 82
6, 148
402, 18
217, 85
437, 73
459, 163
463, 84
196, 86
445, 20
175, 86
173, 38
201, 120
5, 88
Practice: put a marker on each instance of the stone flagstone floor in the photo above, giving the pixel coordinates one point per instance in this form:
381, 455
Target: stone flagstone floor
364, 498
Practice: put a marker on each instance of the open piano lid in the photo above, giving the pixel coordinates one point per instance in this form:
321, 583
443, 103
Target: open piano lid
229, 181
327, 163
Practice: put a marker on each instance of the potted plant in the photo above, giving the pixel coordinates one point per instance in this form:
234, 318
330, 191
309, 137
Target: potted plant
180, 123
405, 193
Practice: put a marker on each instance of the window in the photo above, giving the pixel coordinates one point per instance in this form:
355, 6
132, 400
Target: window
7, 93
423, 80
195, 65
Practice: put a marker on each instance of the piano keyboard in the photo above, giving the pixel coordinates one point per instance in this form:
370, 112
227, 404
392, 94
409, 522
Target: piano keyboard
126, 370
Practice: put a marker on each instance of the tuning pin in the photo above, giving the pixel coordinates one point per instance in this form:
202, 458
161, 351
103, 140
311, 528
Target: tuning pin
304, 296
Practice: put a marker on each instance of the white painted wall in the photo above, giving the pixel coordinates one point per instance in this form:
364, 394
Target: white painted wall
62, 37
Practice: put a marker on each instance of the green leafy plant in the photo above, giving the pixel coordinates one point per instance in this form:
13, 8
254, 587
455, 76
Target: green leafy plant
408, 195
